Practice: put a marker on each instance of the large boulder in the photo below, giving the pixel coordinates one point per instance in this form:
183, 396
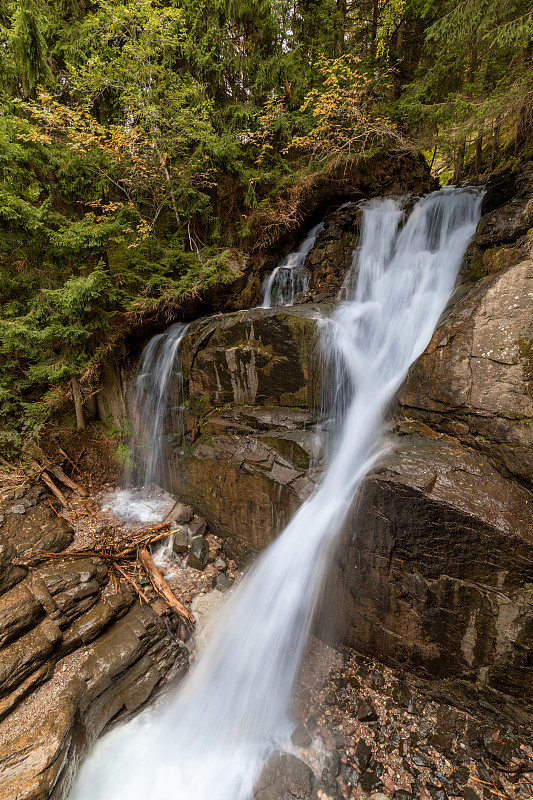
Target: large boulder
475, 379
249, 454
435, 570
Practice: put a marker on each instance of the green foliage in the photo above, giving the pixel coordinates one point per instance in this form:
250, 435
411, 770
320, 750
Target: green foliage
142, 141
474, 81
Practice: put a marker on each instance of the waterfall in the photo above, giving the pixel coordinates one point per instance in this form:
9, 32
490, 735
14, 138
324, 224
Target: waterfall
150, 408
211, 741
153, 418
290, 278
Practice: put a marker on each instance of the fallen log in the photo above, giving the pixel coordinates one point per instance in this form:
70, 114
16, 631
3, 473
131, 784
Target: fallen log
64, 478
47, 480
162, 588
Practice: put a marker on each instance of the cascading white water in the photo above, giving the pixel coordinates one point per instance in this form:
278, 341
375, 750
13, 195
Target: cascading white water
290, 278
152, 418
212, 740
149, 402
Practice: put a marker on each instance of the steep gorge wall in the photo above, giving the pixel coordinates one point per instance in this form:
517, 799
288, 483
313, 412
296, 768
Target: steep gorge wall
436, 567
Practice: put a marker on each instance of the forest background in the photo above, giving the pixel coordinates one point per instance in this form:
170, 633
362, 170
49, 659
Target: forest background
146, 144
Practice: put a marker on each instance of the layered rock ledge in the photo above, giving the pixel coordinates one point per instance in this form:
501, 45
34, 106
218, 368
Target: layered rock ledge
73, 657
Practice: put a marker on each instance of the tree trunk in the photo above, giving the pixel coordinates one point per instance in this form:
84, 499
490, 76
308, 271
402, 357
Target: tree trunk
433, 157
479, 152
374, 30
459, 161
78, 403
495, 144
339, 44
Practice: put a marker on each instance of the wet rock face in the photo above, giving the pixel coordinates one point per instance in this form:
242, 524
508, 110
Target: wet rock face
255, 357
250, 452
331, 258
475, 379
443, 557
285, 777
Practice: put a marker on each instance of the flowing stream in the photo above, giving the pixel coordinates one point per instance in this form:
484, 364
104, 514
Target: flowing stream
233, 711
290, 278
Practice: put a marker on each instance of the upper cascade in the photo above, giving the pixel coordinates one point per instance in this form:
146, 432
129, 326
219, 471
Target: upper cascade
151, 417
290, 278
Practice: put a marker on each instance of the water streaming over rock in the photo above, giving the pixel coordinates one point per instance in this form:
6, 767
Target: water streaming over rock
290, 278
151, 416
212, 740
152, 419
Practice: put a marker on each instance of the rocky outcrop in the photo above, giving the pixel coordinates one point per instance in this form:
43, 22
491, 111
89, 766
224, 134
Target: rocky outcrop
440, 536
73, 657
117, 677
250, 454
475, 379
436, 566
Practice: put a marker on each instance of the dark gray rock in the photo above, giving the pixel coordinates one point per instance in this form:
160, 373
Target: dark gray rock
199, 553
505, 224
362, 755
436, 792
301, 736
180, 541
10, 574
19, 611
223, 583
40, 527
365, 712
500, 749
16, 509
285, 777
461, 775
370, 782
197, 526
182, 514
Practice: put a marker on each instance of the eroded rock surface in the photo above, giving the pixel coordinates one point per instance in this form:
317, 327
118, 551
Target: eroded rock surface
437, 563
52, 615
250, 454
120, 673
475, 379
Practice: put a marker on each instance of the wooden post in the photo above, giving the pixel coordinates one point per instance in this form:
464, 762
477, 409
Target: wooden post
78, 403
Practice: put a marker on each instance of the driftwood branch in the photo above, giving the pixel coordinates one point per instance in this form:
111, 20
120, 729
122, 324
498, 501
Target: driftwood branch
124, 552
47, 480
162, 588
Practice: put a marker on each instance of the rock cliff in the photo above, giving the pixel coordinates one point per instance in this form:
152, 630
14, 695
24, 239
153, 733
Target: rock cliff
436, 568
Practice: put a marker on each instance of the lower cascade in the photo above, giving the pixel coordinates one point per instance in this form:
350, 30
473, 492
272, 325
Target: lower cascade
211, 740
